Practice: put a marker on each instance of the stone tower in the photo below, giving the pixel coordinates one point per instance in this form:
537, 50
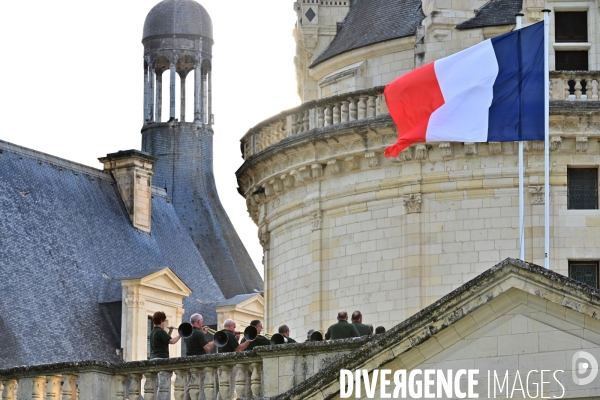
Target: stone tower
178, 39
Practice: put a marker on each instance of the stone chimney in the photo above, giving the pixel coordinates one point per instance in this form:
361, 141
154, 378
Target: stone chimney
132, 170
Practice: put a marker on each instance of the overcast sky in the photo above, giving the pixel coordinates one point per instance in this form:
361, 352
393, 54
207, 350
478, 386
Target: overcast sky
72, 81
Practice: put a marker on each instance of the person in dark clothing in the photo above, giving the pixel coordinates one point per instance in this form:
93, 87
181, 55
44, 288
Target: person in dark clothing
197, 344
260, 339
379, 329
342, 329
363, 329
232, 342
285, 331
159, 338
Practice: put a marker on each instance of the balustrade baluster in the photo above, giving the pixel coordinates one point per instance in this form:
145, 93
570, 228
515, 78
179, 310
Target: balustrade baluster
53, 387
299, 122
328, 115
353, 110
39, 388
371, 107
69, 388
194, 384
362, 107
344, 111
209, 383
305, 121
135, 385
8, 393
588, 88
164, 385
320, 117
594, 90
240, 380
566, 88
578, 89
377, 105
224, 385
312, 122
120, 387
179, 391
293, 127
336, 113
150, 385
256, 379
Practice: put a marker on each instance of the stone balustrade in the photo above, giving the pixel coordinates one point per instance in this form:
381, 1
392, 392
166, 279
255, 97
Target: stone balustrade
259, 374
574, 85
317, 114
361, 105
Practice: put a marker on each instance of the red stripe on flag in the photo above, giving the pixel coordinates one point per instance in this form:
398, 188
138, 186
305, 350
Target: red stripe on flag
411, 99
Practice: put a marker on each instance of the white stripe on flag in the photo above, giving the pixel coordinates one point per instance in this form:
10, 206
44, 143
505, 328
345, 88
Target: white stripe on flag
467, 81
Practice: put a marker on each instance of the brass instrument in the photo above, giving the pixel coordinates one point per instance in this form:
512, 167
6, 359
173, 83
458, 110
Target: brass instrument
184, 330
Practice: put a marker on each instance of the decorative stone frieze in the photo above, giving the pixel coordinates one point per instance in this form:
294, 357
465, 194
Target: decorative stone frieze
333, 166
495, 148
446, 149
405, 155
537, 194
581, 143
470, 149
412, 202
269, 190
315, 220
555, 143
297, 176
372, 159
288, 181
421, 152
352, 162
304, 173
276, 184
317, 171
538, 145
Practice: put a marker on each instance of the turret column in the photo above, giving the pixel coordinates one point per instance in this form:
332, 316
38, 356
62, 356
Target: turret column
182, 103
198, 91
172, 90
158, 113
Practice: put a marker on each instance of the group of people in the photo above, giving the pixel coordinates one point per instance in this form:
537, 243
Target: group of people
197, 344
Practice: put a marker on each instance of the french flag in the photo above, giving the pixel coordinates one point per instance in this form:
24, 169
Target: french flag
491, 92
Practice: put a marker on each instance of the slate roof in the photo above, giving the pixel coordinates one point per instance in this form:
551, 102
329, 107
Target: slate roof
65, 238
494, 13
236, 299
374, 21
179, 17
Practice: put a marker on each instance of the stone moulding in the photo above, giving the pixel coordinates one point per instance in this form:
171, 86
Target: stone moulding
412, 202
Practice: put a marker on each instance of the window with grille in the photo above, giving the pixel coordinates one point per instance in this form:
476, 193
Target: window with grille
571, 27
584, 272
582, 188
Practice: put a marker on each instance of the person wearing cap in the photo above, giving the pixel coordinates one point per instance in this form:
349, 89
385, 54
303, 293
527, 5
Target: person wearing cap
342, 329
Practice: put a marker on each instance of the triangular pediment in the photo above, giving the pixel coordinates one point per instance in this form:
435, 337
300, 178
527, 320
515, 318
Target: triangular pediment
511, 318
164, 280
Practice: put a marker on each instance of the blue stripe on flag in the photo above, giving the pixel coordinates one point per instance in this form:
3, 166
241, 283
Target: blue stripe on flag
517, 110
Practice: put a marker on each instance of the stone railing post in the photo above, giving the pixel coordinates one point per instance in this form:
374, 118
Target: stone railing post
256, 379
328, 115
93, 385
336, 113
53, 387
320, 117
371, 107
194, 383
164, 385
135, 386
224, 385
240, 380
353, 110
362, 107
8, 392
120, 387
179, 385
69, 389
150, 386
345, 111
209, 383
578, 88
38, 390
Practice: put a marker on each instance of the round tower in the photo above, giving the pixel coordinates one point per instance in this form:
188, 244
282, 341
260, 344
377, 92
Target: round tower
178, 39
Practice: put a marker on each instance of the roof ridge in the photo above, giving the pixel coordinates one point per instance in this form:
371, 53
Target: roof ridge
50, 159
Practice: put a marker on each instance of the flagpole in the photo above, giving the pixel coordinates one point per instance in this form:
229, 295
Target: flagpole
521, 175
547, 142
